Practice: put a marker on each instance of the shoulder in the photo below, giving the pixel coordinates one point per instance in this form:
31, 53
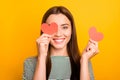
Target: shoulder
31, 59
30, 62
29, 68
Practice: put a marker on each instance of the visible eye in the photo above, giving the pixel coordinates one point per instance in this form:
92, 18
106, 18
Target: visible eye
65, 27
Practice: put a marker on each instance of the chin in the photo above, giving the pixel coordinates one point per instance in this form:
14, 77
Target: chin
58, 46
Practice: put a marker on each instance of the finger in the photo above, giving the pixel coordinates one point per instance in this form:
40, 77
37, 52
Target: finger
43, 38
44, 44
92, 48
97, 51
94, 54
46, 35
43, 41
93, 42
94, 45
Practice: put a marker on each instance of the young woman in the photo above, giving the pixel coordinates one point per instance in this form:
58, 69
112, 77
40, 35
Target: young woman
58, 54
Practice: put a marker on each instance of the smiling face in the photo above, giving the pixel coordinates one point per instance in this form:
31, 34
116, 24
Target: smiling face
60, 39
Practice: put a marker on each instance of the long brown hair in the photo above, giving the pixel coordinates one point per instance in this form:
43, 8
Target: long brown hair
72, 46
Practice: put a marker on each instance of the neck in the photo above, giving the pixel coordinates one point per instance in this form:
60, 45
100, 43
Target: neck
58, 52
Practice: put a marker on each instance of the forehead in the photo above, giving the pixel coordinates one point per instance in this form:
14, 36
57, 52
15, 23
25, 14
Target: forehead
58, 18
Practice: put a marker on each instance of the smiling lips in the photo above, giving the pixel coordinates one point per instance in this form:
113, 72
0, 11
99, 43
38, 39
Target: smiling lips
58, 40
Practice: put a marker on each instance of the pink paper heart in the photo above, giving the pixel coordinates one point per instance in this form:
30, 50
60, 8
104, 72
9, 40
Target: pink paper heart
49, 29
94, 35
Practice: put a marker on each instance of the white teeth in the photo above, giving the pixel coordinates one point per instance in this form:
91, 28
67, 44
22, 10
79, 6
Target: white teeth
58, 40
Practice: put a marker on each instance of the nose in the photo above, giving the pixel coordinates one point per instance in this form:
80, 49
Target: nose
59, 32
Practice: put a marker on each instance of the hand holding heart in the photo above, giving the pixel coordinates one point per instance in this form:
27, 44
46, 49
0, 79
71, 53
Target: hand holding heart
42, 44
90, 50
92, 47
44, 39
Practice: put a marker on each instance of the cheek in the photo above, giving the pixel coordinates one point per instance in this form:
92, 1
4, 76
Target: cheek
68, 34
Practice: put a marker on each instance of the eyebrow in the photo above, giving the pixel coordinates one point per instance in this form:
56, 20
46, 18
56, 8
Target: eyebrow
65, 24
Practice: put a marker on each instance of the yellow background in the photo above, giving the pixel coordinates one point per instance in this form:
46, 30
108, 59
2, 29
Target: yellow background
20, 27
